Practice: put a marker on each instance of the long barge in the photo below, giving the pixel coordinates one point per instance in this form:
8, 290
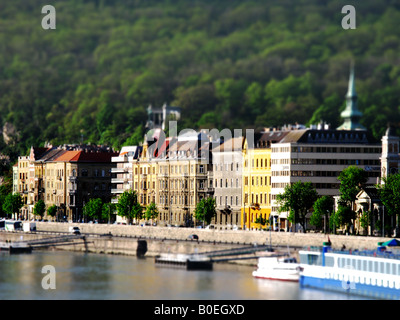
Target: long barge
15, 247
186, 261
369, 273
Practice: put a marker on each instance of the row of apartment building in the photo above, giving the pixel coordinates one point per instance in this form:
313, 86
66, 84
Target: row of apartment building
244, 173
66, 176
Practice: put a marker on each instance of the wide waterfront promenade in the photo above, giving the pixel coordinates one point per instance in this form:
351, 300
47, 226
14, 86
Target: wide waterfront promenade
124, 239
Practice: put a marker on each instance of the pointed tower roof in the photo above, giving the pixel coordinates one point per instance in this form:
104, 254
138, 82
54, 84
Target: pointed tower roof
351, 114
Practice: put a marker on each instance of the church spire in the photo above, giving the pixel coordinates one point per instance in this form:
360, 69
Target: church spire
351, 114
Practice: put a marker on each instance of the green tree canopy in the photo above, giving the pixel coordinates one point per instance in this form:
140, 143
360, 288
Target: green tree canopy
108, 210
128, 206
94, 209
352, 179
297, 199
205, 210
39, 209
52, 210
151, 211
389, 193
12, 204
323, 207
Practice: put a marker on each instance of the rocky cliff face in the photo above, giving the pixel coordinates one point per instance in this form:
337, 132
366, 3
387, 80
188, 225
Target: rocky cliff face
9, 132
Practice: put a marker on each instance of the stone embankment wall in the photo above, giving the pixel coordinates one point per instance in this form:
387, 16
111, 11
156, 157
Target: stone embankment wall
125, 239
228, 237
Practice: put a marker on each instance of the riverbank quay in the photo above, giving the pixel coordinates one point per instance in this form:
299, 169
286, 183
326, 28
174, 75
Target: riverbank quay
238, 237
130, 239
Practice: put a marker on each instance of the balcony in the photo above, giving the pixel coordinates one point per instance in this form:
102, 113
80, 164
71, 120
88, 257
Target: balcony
117, 191
119, 170
118, 180
119, 159
210, 190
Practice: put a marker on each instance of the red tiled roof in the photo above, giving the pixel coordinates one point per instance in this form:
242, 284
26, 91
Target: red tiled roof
81, 156
68, 156
95, 156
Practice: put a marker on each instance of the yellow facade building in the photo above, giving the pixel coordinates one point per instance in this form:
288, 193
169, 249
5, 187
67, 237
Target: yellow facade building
256, 179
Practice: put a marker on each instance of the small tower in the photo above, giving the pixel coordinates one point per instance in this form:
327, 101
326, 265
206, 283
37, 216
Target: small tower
390, 152
351, 114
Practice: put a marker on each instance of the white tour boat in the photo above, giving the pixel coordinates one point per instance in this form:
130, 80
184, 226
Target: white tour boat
277, 268
370, 273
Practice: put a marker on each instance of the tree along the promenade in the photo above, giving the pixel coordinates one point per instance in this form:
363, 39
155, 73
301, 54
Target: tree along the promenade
39, 209
389, 193
151, 211
94, 209
351, 180
12, 203
4, 191
205, 210
297, 199
128, 206
323, 208
52, 211
108, 209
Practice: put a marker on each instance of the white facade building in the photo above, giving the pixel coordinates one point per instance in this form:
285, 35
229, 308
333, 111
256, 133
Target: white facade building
318, 156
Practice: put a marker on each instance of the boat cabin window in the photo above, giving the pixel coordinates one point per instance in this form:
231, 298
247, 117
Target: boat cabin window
329, 261
310, 258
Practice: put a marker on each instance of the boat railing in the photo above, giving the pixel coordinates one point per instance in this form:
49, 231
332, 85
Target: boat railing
366, 253
312, 248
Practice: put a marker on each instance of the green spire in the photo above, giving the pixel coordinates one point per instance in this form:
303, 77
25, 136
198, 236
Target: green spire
351, 114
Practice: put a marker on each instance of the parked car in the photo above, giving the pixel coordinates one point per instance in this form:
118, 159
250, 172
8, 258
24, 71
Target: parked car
74, 230
193, 237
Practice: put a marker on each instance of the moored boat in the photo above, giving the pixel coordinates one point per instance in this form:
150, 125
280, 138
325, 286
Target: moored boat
187, 261
370, 273
277, 268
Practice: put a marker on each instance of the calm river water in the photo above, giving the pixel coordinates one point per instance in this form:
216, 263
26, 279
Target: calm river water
81, 276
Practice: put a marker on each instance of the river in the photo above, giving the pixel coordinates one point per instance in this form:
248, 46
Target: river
80, 276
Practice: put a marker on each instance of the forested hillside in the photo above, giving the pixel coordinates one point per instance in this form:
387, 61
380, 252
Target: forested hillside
226, 63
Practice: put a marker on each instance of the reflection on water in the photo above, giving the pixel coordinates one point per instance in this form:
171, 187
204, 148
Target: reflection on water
93, 276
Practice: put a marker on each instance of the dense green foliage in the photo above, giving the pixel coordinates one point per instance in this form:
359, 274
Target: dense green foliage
128, 206
151, 211
39, 208
389, 193
323, 208
297, 199
11, 205
227, 63
205, 210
